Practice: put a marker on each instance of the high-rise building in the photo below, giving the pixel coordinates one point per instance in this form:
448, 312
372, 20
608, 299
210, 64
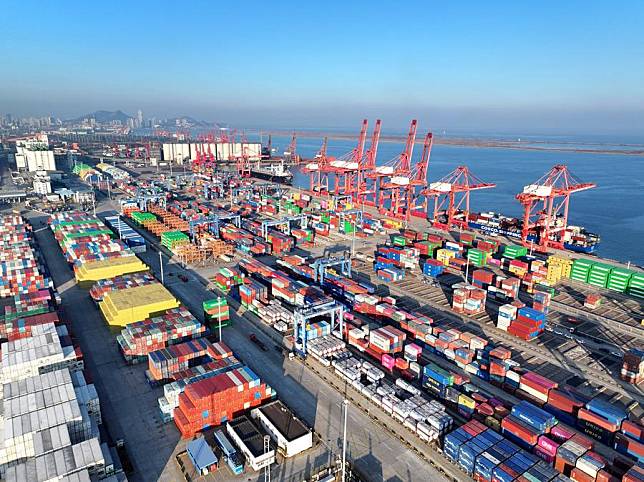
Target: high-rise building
139, 118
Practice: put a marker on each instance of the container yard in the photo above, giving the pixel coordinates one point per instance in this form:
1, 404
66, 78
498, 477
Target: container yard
484, 357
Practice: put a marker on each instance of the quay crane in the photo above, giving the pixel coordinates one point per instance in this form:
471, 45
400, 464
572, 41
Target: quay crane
368, 164
346, 167
392, 178
318, 172
452, 197
545, 208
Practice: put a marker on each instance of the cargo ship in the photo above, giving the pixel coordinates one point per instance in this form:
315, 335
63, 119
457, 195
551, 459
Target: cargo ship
575, 238
274, 171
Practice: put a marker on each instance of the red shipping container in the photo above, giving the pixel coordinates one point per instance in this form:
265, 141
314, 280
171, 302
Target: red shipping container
520, 430
589, 416
633, 430
579, 475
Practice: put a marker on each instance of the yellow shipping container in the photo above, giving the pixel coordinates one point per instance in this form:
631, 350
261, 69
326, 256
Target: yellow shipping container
123, 307
565, 263
444, 255
92, 271
466, 401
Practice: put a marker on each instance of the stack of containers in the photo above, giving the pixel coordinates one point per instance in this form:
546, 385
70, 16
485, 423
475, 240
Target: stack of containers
122, 307
386, 339
536, 386
477, 257
171, 391
633, 367
629, 440
581, 270
569, 453
599, 274
226, 278
526, 423
636, 285
512, 251
214, 401
102, 287
143, 218
314, 330
469, 300
436, 379
444, 255
528, 324
558, 268
618, 279
541, 301
216, 312
510, 286
252, 291
473, 448
390, 274
138, 339
165, 363
564, 403
482, 278
518, 267
173, 239
433, 268
601, 419
19, 270
488, 246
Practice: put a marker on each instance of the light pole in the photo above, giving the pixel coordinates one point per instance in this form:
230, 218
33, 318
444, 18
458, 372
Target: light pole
345, 405
219, 314
467, 268
161, 265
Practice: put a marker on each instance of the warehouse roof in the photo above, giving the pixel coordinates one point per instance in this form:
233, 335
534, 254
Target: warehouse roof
249, 434
281, 417
201, 454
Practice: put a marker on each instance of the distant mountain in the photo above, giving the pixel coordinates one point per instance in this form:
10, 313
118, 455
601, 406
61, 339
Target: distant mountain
105, 116
188, 121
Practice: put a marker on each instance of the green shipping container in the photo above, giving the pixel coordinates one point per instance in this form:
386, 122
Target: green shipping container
399, 241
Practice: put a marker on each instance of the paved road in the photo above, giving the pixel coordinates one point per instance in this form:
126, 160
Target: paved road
372, 450
129, 404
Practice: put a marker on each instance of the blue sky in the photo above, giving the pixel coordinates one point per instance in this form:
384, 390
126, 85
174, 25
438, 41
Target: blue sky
570, 66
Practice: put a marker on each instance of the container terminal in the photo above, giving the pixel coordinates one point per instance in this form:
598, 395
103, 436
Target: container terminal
195, 316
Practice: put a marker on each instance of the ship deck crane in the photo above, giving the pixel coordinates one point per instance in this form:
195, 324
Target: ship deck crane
546, 204
394, 178
346, 167
452, 197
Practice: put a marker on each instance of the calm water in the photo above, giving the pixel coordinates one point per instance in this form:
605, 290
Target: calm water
614, 209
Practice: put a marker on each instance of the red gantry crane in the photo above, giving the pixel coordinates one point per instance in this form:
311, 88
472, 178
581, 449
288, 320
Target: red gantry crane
416, 201
318, 172
394, 176
291, 154
368, 164
345, 168
545, 207
452, 197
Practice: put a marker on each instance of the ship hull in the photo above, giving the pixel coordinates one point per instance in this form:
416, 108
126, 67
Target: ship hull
517, 235
280, 178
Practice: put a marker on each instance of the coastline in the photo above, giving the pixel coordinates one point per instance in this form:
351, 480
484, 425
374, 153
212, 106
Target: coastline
482, 143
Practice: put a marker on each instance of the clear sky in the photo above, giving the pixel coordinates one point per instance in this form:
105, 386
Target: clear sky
569, 66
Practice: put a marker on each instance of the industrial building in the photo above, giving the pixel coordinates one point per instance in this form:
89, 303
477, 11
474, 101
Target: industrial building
42, 183
33, 154
201, 456
250, 441
216, 151
289, 432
